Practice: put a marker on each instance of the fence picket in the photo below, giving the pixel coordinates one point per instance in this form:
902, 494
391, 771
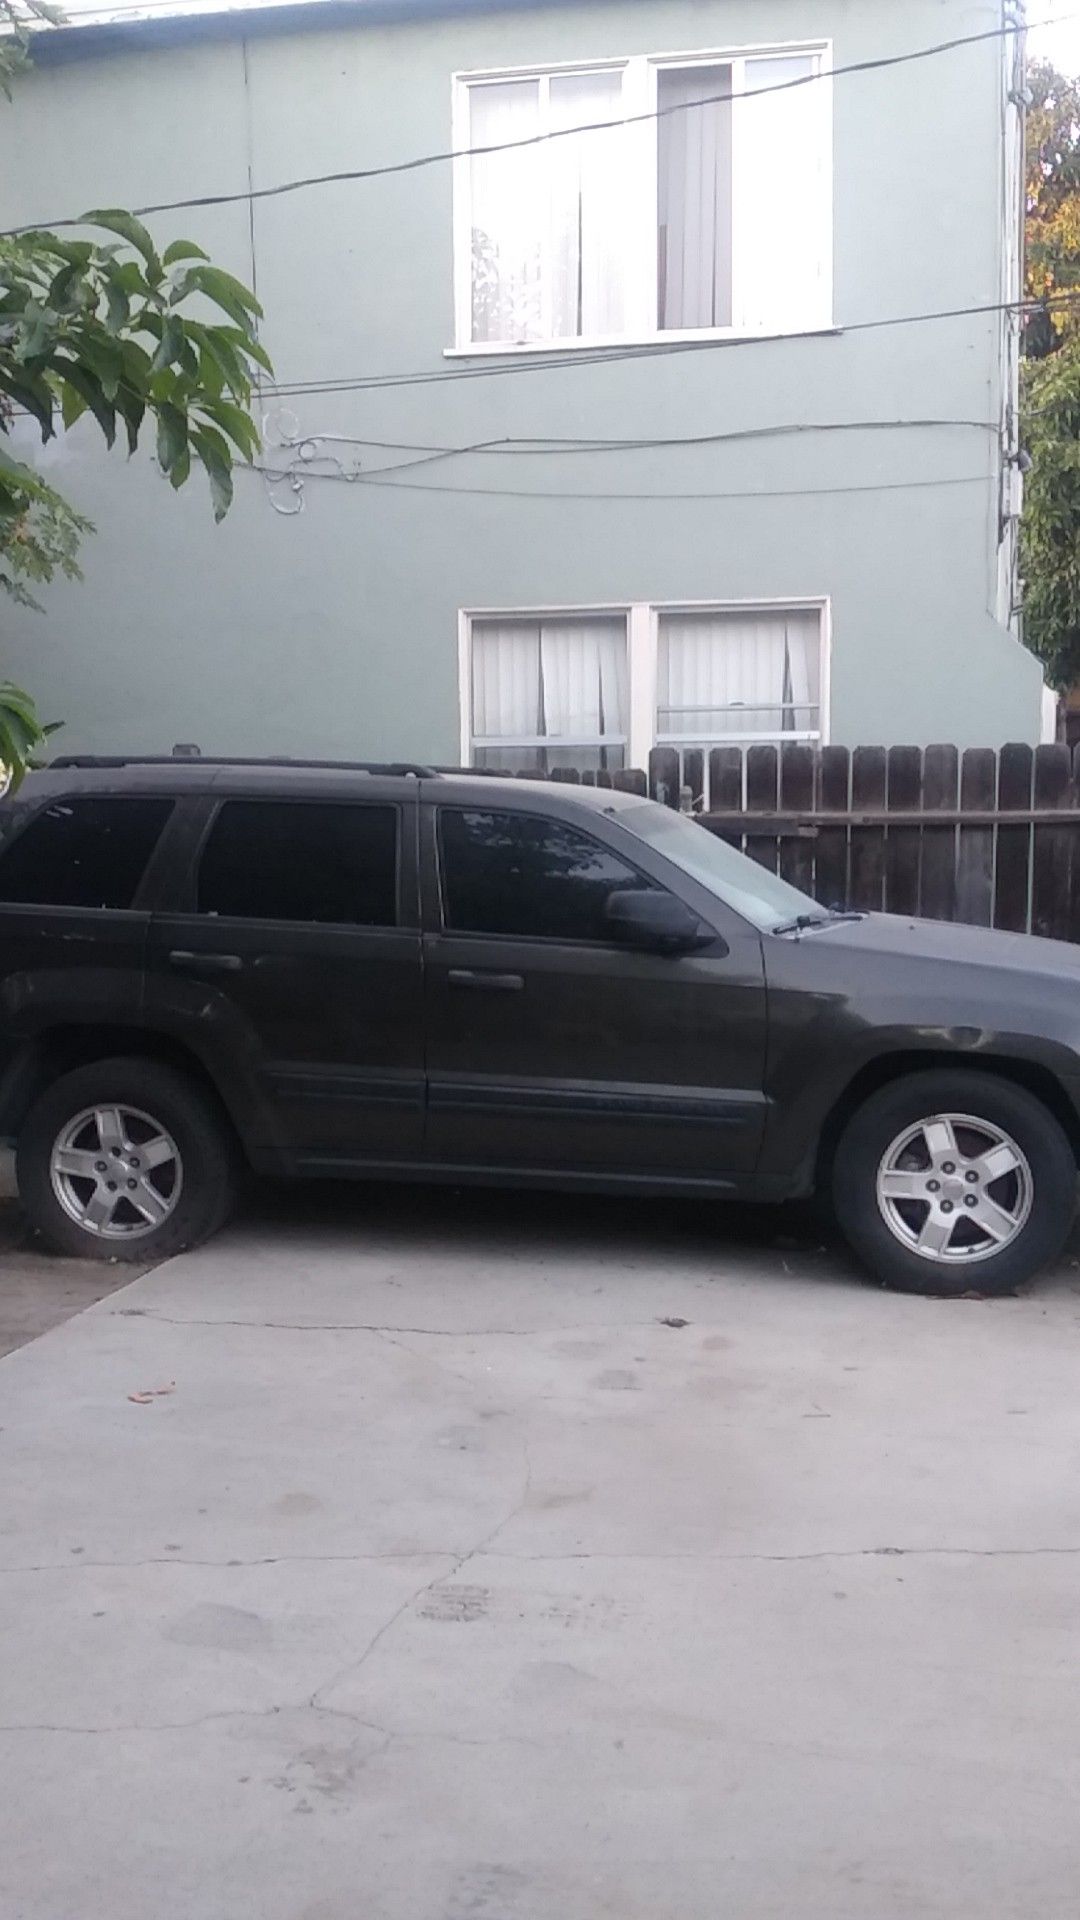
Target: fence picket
941, 766
831, 855
797, 796
665, 777
1052, 856
902, 843
761, 797
975, 860
867, 843
1013, 868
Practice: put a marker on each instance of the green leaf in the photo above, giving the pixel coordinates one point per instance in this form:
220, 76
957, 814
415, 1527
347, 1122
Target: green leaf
30, 391
129, 229
39, 329
170, 344
182, 250
247, 343
220, 287
101, 353
63, 287
89, 386
117, 304
172, 436
239, 426
132, 410
180, 469
213, 451
72, 405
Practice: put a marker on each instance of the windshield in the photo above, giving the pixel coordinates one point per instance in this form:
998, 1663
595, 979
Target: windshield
760, 896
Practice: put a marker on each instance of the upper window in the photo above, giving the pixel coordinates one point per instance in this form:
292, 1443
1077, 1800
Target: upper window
548, 693
669, 196
83, 853
521, 874
301, 860
744, 674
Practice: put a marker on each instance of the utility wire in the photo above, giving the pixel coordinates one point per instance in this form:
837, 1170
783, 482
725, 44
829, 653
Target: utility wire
533, 445
276, 476
420, 161
544, 362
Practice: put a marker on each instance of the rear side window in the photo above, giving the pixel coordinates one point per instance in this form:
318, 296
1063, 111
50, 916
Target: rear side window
303, 860
83, 853
515, 873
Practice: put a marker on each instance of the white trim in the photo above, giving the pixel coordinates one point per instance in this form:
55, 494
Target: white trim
498, 349
642, 636
607, 63
465, 686
641, 658
639, 99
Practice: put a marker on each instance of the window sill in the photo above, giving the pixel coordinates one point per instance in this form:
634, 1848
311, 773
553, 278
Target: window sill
504, 349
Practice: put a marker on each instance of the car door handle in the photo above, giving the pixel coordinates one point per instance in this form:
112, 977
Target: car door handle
205, 962
486, 982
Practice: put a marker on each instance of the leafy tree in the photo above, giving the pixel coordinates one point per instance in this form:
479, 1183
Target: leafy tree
1050, 378
111, 329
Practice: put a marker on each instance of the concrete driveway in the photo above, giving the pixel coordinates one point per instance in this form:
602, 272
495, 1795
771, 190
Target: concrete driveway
455, 1578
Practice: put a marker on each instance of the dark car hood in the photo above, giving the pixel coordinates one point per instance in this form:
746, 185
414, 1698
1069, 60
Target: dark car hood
893, 935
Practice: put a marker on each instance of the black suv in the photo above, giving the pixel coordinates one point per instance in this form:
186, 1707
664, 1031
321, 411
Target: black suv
386, 971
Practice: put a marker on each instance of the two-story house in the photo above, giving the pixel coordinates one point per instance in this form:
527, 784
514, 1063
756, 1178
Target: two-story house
679, 406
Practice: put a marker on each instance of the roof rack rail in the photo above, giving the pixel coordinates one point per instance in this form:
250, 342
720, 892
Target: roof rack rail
66, 761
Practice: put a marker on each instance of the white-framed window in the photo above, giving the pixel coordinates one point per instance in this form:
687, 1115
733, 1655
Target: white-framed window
595, 688
695, 199
546, 691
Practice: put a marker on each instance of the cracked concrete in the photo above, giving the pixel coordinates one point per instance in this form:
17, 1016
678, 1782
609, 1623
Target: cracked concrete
517, 1600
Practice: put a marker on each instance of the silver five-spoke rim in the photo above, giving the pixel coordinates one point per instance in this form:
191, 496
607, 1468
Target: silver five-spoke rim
954, 1188
116, 1171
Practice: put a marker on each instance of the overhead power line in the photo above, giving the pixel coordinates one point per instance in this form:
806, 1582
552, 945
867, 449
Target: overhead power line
529, 445
544, 362
279, 476
420, 161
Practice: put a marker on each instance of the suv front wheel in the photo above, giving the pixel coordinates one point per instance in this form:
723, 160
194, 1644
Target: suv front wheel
954, 1182
124, 1160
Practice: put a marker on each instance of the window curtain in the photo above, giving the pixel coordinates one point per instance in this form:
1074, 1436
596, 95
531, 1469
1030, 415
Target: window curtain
509, 213
538, 683
589, 242
780, 174
720, 675
694, 209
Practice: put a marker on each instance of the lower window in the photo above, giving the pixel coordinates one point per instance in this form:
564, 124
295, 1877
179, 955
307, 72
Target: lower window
548, 693
593, 692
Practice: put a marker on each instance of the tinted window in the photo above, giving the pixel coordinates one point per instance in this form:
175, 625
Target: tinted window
285, 860
83, 853
516, 873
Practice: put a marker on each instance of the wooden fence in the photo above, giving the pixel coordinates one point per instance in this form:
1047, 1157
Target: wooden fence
987, 837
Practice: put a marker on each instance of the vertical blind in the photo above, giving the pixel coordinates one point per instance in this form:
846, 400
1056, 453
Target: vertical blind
694, 205
542, 686
722, 675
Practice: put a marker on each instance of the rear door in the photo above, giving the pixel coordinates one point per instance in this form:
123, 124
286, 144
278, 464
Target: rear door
292, 958
72, 927
552, 1047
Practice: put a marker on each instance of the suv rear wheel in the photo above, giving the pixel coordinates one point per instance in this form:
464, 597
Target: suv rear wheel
124, 1160
953, 1182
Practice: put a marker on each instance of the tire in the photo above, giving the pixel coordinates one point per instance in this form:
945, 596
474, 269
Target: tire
1027, 1208
189, 1164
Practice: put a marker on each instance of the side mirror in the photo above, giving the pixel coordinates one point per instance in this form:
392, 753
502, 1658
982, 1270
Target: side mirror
656, 923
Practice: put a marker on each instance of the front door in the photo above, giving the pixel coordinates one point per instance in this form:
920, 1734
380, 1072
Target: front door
294, 959
551, 1047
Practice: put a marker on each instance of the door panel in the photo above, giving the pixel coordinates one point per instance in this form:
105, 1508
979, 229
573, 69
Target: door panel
580, 1055
321, 1023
